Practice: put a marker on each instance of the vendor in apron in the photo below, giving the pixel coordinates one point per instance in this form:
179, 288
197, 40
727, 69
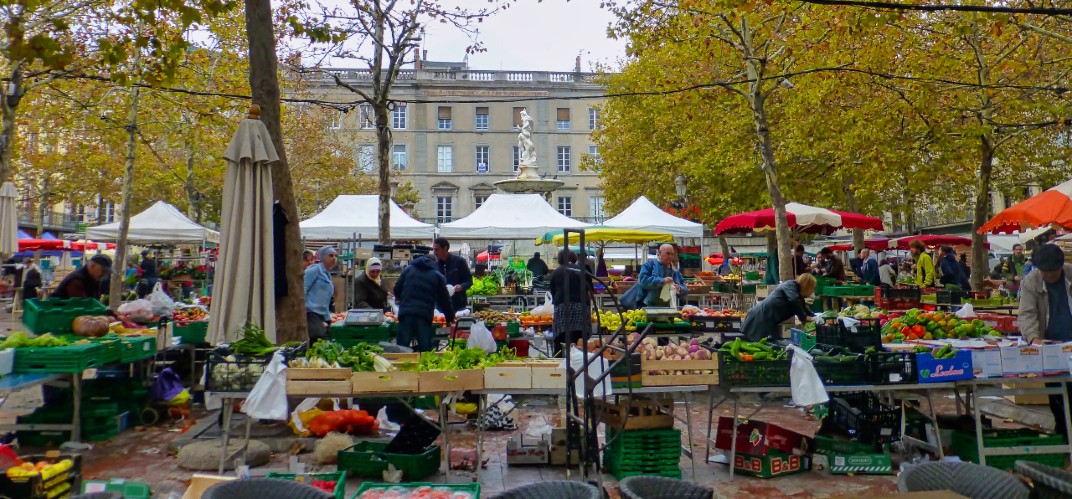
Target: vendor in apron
783, 303
661, 281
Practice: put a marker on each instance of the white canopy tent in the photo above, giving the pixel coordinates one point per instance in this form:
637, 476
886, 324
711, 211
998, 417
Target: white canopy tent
351, 214
161, 223
510, 216
644, 215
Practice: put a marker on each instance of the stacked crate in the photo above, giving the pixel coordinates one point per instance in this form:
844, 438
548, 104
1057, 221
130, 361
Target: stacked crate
643, 452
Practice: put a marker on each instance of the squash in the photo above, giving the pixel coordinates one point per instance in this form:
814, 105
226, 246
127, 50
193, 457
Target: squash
90, 326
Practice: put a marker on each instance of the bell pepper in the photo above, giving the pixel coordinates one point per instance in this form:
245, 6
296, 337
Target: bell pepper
746, 357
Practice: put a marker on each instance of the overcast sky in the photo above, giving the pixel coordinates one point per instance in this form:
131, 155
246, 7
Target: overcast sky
531, 35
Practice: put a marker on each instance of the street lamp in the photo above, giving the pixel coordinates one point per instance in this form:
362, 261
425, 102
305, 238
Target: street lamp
680, 185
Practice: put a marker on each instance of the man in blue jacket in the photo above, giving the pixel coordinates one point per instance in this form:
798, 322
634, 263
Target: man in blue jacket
419, 290
870, 267
455, 270
655, 274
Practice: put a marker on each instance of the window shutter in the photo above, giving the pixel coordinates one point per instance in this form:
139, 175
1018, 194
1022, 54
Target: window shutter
483, 110
563, 114
444, 112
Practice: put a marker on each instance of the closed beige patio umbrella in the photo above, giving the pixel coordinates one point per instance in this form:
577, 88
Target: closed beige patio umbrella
9, 221
244, 289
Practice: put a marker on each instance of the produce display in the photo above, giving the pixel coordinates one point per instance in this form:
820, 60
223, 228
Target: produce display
361, 357
189, 314
23, 340
233, 375
254, 342
492, 317
919, 325
857, 312
611, 321
91, 326
527, 320
423, 492
45, 469
350, 421
748, 351
484, 286
694, 311
462, 358
651, 350
325, 485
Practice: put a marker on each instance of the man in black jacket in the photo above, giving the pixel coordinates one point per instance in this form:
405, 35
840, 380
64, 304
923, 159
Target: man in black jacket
31, 281
454, 268
419, 290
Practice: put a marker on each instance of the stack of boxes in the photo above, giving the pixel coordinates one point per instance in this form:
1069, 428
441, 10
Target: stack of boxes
643, 452
764, 449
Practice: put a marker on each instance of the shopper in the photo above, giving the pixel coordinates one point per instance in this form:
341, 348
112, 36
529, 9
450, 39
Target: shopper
368, 288
856, 264
951, 271
84, 282
308, 258
573, 316
924, 264
319, 292
419, 290
1013, 267
870, 267
537, 266
657, 274
31, 280
830, 265
786, 301
886, 273
799, 267
1046, 311
455, 270
148, 272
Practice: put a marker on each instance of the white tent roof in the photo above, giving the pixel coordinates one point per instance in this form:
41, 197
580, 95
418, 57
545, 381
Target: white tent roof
359, 214
510, 216
161, 223
644, 215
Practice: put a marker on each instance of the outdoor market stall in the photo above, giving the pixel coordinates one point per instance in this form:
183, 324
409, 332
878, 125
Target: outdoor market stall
356, 217
160, 224
509, 216
644, 215
1051, 207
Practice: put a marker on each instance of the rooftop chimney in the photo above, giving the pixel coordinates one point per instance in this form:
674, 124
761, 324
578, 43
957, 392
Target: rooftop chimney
577, 64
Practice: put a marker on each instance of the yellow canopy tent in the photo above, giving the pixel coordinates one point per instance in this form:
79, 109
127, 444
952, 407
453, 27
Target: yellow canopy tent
608, 235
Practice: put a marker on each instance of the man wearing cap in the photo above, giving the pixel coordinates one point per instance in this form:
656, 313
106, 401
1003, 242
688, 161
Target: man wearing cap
1046, 309
84, 282
319, 291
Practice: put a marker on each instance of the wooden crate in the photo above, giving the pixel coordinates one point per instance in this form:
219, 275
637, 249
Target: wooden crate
636, 414
388, 382
451, 381
511, 375
648, 379
318, 381
548, 375
402, 357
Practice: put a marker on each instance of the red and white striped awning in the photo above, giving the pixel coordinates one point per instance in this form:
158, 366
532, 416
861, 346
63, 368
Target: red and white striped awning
802, 218
1052, 207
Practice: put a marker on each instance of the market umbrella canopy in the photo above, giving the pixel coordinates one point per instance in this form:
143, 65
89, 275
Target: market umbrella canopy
930, 241
348, 215
644, 215
801, 218
608, 235
877, 244
1052, 207
161, 223
9, 221
510, 216
244, 290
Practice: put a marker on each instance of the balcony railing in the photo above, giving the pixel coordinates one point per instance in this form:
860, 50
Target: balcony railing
360, 75
53, 221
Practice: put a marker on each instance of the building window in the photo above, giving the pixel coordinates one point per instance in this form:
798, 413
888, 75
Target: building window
398, 157
517, 116
444, 208
595, 208
482, 120
107, 214
563, 123
398, 117
564, 161
336, 120
593, 153
483, 159
593, 118
366, 158
516, 162
478, 200
80, 214
368, 117
444, 118
565, 205
445, 159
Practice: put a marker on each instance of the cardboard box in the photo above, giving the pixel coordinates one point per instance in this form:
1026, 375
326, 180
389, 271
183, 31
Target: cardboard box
520, 451
860, 464
508, 376
1033, 399
986, 363
1055, 358
389, 382
451, 381
400, 254
772, 465
933, 370
558, 457
1021, 361
758, 438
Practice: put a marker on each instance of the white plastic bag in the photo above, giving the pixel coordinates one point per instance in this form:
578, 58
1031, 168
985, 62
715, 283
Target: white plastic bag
965, 312
480, 337
545, 310
268, 399
160, 301
595, 369
804, 382
305, 405
137, 310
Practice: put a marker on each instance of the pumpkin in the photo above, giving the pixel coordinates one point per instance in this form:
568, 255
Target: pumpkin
90, 326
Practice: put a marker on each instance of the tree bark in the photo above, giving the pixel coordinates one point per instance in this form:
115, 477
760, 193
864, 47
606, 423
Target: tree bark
383, 155
115, 291
42, 206
264, 87
980, 264
854, 206
725, 248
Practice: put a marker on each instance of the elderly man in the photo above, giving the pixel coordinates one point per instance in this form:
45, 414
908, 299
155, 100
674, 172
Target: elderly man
84, 282
658, 275
455, 270
869, 267
1046, 309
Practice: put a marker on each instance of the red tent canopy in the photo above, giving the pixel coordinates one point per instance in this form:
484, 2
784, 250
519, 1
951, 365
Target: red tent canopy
1054, 206
40, 244
483, 256
902, 243
877, 244
802, 218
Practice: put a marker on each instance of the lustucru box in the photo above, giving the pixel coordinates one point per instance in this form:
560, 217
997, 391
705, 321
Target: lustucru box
1022, 360
986, 363
1055, 357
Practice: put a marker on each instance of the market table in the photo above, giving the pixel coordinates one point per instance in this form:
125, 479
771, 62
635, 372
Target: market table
15, 382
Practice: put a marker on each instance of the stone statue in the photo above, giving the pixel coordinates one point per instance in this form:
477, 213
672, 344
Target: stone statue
525, 145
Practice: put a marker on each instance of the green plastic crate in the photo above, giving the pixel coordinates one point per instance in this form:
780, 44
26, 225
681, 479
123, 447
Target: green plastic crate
472, 489
828, 445
965, 445
736, 373
56, 316
67, 359
193, 333
360, 334
42, 438
129, 489
136, 348
368, 460
339, 477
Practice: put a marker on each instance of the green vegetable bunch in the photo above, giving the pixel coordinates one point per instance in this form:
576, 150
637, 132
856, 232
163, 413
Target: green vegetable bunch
23, 340
254, 342
360, 357
463, 358
485, 286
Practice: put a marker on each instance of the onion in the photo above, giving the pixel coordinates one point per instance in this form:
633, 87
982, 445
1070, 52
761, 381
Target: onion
694, 348
695, 342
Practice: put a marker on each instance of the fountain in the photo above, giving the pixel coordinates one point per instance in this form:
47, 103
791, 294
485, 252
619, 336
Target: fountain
528, 179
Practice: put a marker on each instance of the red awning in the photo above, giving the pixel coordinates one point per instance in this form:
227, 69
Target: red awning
801, 218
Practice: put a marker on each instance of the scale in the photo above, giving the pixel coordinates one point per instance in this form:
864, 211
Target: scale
666, 313
364, 317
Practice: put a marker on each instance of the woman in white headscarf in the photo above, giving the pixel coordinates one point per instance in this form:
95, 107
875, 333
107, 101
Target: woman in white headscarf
368, 288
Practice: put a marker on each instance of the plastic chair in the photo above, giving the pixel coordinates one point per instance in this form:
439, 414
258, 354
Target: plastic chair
264, 488
1049, 482
552, 490
657, 487
967, 479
